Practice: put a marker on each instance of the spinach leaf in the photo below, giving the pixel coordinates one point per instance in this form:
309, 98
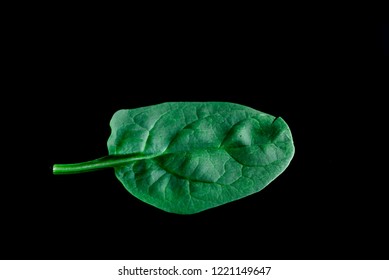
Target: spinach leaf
186, 157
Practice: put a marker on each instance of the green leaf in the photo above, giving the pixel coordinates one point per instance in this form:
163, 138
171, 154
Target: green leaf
186, 157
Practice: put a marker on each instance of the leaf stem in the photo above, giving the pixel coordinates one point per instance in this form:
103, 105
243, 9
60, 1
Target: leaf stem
93, 165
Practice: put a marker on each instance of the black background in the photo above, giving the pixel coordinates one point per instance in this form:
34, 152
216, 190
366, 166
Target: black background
324, 77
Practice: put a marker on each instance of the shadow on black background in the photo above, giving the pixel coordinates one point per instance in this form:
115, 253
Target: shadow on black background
325, 79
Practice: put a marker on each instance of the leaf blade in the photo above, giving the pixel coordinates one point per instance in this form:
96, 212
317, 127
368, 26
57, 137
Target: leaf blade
191, 144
